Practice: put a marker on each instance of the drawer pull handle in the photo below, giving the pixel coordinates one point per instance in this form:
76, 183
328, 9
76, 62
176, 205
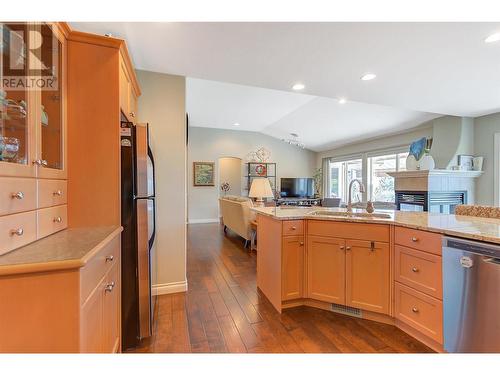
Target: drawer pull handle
348, 248
342, 247
414, 269
301, 243
57, 193
414, 239
109, 258
57, 219
414, 309
109, 287
17, 232
294, 228
18, 195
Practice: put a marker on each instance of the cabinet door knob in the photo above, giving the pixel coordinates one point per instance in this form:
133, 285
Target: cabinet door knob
414, 239
57, 192
342, 247
109, 258
18, 195
294, 228
414, 309
301, 243
132, 114
57, 219
41, 162
17, 232
109, 287
348, 248
414, 269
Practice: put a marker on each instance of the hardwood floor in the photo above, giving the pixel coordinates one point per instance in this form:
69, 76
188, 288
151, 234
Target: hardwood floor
224, 312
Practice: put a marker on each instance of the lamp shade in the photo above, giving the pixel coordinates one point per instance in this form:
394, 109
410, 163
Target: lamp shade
261, 188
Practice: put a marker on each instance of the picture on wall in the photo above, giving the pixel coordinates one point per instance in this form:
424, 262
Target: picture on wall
203, 173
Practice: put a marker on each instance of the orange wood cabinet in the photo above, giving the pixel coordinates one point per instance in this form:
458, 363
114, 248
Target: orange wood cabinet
68, 310
293, 253
418, 290
326, 269
129, 90
368, 275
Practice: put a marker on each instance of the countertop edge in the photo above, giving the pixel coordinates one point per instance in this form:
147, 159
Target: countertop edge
448, 232
59, 265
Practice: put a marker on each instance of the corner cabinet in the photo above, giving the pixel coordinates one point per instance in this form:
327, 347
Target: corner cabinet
33, 152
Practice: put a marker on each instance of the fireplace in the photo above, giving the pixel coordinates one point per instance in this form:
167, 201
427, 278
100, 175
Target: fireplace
440, 201
437, 191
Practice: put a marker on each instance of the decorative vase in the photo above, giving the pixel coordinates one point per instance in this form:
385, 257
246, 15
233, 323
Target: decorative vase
427, 163
411, 163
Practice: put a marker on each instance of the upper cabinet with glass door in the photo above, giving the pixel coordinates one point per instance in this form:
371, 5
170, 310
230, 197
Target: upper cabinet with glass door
17, 103
32, 101
51, 129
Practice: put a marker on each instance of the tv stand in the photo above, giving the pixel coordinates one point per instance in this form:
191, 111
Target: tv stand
302, 202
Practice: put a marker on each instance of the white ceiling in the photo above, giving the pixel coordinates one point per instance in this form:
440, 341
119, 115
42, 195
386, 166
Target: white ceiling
423, 69
431, 67
321, 123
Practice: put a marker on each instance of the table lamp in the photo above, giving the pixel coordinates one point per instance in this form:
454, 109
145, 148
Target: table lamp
261, 188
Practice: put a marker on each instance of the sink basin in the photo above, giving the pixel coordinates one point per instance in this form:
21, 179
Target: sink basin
354, 214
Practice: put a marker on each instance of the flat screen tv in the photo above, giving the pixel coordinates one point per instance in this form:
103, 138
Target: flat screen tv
297, 188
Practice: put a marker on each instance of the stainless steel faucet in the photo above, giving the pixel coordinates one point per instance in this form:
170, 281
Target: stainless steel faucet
361, 189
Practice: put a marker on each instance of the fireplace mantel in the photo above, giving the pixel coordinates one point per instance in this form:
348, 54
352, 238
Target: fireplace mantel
435, 172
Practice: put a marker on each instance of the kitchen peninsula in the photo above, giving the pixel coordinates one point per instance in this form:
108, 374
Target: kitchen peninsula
386, 268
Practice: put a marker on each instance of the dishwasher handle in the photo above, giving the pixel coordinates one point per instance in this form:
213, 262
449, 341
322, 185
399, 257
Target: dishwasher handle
483, 248
492, 261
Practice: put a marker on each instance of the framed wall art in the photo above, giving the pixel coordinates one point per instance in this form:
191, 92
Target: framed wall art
203, 173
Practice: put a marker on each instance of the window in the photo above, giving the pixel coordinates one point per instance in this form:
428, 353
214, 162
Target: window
341, 174
381, 185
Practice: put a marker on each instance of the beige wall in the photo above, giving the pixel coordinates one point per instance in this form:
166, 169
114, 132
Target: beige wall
452, 136
485, 128
208, 144
162, 105
230, 172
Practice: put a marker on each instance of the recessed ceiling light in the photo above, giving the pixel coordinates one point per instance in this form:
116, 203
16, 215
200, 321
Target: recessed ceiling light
298, 86
368, 76
236, 124
493, 38
342, 100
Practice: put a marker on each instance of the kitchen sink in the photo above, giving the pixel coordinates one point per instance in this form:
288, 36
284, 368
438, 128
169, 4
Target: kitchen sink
353, 214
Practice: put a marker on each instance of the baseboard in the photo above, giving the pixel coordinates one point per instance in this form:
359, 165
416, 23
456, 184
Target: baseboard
169, 288
202, 221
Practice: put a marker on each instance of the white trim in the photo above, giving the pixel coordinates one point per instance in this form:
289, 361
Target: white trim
203, 221
496, 170
169, 288
388, 151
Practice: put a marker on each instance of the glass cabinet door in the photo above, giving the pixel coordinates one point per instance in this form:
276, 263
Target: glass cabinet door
16, 102
51, 121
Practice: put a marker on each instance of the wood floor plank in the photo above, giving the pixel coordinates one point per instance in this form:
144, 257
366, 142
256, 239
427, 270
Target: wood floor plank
223, 311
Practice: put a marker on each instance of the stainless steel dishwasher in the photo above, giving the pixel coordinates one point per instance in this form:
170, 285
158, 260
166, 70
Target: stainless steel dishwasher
471, 296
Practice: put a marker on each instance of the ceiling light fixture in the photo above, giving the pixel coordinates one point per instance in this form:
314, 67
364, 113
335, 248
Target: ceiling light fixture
294, 141
342, 100
493, 38
236, 124
298, 86
368, 76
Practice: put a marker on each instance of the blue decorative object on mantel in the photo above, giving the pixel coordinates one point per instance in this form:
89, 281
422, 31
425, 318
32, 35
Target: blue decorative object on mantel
417, 148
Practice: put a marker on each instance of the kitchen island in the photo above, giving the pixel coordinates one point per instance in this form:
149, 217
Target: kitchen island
386, 268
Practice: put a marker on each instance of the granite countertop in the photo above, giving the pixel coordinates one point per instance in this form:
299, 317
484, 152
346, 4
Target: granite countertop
468, 227
70, 248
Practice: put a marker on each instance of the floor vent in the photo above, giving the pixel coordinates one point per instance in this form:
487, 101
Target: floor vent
346, 310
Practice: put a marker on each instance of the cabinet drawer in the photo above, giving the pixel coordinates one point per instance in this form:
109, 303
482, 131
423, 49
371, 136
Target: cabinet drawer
97, 266
25, 225
51, 220
293, 228
358, 231
17, 195
419, 270
418, 239
419, 311
52, 193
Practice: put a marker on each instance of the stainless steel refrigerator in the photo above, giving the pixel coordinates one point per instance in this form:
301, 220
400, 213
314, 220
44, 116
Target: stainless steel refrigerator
138, 221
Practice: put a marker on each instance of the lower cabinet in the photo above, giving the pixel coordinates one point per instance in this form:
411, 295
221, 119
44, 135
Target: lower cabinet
349, 272
293, 266
368, 275
326, 269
